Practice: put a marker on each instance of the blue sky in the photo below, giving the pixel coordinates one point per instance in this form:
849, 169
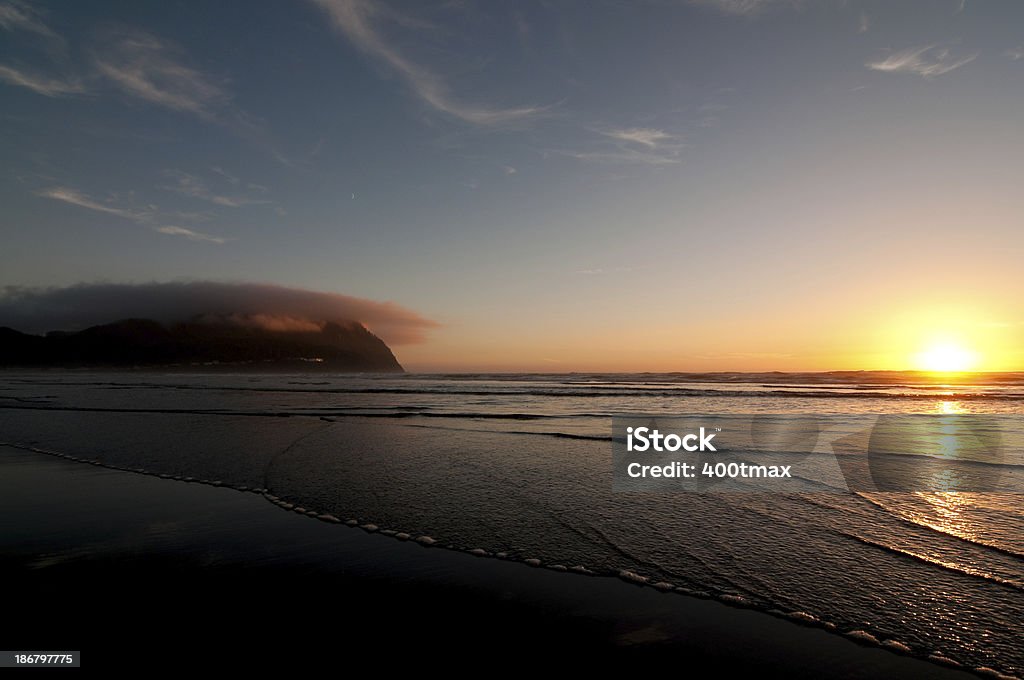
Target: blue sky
531, 174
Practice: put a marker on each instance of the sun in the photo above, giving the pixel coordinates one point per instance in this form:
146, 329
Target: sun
947, 357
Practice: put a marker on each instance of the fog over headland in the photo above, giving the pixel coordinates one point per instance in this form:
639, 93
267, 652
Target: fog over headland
270, 306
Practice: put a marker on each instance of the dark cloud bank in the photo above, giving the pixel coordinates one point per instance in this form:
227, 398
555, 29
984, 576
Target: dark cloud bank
38, 310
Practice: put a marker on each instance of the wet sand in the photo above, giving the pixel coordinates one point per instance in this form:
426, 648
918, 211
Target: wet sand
138, 571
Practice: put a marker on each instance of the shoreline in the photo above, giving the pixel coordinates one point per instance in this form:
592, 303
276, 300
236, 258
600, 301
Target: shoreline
234, 543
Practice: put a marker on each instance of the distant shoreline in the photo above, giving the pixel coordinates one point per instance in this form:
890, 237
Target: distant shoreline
880, 377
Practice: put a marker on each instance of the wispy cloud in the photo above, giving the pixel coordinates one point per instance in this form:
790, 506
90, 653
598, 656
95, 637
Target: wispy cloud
648, 137
189, 234
743, 7
195, 187
710, 113
235, 181
358, 21
635, 146
75, 197
48, 87
865, 23
146, 217
153, 70
927, 61
232, 179
20, 16
1015, 53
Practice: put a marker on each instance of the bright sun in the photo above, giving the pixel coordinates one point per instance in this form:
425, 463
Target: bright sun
947, 358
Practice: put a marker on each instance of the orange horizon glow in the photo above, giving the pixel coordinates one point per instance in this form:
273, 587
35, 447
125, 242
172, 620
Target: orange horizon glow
941, 340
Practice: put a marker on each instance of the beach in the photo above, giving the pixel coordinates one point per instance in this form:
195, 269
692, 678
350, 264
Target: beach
136, 571
494, 474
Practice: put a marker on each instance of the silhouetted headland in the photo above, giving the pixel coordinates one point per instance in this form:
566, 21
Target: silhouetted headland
343, 346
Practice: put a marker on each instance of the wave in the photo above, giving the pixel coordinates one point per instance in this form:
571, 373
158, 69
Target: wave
941, 530
1015, 584
320, 413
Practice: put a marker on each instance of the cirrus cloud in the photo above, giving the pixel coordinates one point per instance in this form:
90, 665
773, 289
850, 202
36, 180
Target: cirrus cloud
358, 21
149, 68
927, 61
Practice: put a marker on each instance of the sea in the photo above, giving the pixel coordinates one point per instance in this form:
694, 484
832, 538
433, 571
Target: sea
518, 467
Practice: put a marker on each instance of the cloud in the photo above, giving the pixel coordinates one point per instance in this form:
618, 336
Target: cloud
20, 16
144, 217
38, 310
634, 146
743, 7
356, 20
284, 324
648, 137
865, 23
226, 175
48, 87
195, 187
144, 66
927, 61
75, 197
16, 16
1015, 53
189, 234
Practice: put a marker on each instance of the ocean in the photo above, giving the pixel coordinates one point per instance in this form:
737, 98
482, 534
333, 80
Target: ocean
518, 467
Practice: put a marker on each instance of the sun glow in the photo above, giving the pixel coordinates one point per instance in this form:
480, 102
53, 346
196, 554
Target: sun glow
947, 357
945, 339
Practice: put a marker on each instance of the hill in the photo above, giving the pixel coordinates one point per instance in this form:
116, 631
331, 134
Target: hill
332, 346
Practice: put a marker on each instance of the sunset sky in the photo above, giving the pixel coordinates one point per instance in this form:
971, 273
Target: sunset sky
662, 185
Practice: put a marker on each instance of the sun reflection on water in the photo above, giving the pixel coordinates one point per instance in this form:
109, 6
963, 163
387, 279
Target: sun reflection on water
947, 511
950, 407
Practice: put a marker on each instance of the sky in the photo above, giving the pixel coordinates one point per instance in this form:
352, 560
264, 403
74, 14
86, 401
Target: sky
554, 185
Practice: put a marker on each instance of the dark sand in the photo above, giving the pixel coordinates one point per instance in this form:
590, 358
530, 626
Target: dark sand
137, 571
